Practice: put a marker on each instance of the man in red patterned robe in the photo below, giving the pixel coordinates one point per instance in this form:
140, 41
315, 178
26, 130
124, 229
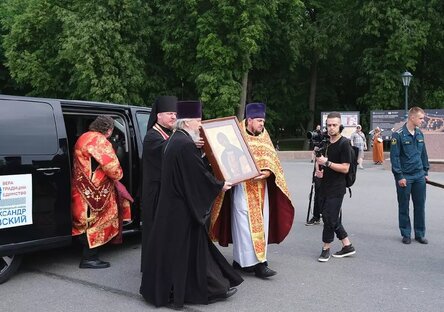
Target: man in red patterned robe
94, 204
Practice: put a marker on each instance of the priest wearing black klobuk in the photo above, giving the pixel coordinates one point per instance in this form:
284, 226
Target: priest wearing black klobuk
184, 266
159, 129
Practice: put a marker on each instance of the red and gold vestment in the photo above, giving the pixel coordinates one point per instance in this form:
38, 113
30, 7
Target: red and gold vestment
94, 203
280, 207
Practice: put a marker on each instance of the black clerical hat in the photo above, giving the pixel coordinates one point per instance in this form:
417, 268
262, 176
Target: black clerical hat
162, 104
189, 109
166, 104
255, 110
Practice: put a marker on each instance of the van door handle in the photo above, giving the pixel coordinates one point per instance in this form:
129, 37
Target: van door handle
49, 171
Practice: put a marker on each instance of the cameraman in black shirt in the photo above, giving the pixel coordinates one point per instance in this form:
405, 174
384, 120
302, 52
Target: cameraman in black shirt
331, 168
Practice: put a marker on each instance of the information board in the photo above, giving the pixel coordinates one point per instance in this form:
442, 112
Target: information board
390, 120
348, 119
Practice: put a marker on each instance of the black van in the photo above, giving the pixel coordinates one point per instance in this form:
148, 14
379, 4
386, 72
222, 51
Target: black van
37, 136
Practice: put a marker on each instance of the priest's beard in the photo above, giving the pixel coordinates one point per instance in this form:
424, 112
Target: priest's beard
194, 135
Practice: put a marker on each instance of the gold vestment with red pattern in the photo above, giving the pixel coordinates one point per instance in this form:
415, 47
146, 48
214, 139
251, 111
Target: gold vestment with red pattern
281, 209
94, 204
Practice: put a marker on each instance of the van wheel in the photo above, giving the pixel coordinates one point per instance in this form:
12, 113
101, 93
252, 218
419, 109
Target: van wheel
8, 266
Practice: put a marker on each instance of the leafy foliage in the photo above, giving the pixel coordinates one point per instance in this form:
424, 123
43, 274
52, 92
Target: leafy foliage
300, 57
78, 49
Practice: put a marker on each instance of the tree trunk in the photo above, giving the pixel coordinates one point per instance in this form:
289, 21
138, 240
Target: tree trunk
243, 98
312, 96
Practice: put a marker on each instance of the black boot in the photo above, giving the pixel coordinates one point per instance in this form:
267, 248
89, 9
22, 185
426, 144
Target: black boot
90, 256
230, 292
93, 264
263, 271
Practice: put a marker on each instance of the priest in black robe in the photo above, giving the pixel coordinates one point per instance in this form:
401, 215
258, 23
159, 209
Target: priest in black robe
160, 127
183, 265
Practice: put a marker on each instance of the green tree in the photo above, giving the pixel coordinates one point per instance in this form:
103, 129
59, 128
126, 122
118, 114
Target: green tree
395, 33
428, 78
231, 33
275, 76
78, 49
30, 55
211, 45
308, 79
299, 57
7, 84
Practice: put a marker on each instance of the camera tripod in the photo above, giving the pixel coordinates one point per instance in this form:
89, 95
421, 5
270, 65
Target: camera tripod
314, 188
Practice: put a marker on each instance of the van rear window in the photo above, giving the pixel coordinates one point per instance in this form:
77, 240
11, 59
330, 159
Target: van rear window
27, 128
142, 120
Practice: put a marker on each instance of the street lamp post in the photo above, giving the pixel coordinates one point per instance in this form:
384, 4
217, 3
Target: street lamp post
406, 78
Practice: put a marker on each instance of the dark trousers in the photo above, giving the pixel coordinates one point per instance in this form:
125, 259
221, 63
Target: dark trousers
88, 253
416, 187
331, 208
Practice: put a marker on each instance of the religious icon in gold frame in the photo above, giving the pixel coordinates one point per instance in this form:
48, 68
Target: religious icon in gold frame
227, 151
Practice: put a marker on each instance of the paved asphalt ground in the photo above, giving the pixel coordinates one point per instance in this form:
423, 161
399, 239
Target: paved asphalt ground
384, 275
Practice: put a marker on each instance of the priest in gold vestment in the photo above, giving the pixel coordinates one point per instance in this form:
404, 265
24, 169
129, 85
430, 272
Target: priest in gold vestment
94, 202
256, 212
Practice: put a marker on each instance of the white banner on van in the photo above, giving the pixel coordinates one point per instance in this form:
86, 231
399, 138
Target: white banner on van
15, 200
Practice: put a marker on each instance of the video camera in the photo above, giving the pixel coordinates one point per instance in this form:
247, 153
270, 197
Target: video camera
319, 140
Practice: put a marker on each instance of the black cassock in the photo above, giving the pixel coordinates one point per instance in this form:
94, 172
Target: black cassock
182, 263
153, 145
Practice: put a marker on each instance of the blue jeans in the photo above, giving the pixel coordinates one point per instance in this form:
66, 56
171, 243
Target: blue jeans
416, 187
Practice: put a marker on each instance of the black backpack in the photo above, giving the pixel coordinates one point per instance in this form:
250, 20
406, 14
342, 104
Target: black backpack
350, 177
